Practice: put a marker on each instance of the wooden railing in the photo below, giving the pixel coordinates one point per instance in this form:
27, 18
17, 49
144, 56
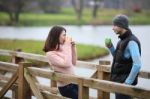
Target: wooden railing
98, 81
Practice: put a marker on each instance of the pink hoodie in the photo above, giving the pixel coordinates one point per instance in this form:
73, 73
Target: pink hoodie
63, 60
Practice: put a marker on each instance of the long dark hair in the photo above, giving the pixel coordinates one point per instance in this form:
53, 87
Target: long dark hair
52, 40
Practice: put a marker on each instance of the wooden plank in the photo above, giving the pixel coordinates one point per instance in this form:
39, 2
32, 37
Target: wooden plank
24, 91
5, 52
104, 62
48, 95
94, 75
15, 59
83, 91
32, 56
43, 58
53, 75
9, 84
7, 98
33, 86
23, 55
53, 83
9, 65
87, 65
53, 90
3, 77
103, 76
2, 83
113, 87
103, 85
82, 64
5, 69
144, 74
3, 72
40, 72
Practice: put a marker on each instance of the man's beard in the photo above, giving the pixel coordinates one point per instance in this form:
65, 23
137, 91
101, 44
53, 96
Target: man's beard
118, 32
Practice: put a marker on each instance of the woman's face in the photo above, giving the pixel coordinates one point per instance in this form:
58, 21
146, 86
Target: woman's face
62, 37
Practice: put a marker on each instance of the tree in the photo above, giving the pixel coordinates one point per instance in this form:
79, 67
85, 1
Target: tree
13, 8
95, 8
50, 6
78, 7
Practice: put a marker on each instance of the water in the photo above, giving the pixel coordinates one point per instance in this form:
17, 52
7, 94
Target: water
83, 34
87, 35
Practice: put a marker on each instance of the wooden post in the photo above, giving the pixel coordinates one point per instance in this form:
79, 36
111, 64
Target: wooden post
83, 92
24, 91
9, 84
16, 60
31, 80
104, 76
53, 83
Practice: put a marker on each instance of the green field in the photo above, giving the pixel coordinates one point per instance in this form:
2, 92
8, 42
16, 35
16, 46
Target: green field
67, 16
84, 52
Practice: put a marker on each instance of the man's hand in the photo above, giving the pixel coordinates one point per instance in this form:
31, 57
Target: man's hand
108, 42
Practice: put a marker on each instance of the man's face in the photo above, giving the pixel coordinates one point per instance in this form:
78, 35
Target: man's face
117, 30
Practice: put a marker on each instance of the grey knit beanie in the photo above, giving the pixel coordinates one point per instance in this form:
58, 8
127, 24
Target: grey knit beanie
121, 21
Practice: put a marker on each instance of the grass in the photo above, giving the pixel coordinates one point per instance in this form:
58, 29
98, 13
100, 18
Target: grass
31, 46
67, 16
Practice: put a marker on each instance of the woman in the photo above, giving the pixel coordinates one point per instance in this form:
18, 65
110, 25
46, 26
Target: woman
61, 54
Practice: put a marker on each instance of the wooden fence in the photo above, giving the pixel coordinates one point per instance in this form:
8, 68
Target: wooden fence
24, 83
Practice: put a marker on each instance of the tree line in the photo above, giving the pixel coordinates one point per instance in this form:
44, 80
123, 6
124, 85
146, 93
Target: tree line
14, 7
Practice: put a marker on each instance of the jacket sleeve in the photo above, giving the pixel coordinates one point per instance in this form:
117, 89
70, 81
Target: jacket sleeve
112, 50
135, 55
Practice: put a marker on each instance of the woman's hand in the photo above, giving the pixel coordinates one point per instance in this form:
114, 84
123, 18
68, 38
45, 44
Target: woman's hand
68, 40
73, 43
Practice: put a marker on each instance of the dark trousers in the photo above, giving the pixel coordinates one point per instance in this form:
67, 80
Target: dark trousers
69, 91
122, 96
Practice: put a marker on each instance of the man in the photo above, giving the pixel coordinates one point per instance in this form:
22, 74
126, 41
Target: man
126, 57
